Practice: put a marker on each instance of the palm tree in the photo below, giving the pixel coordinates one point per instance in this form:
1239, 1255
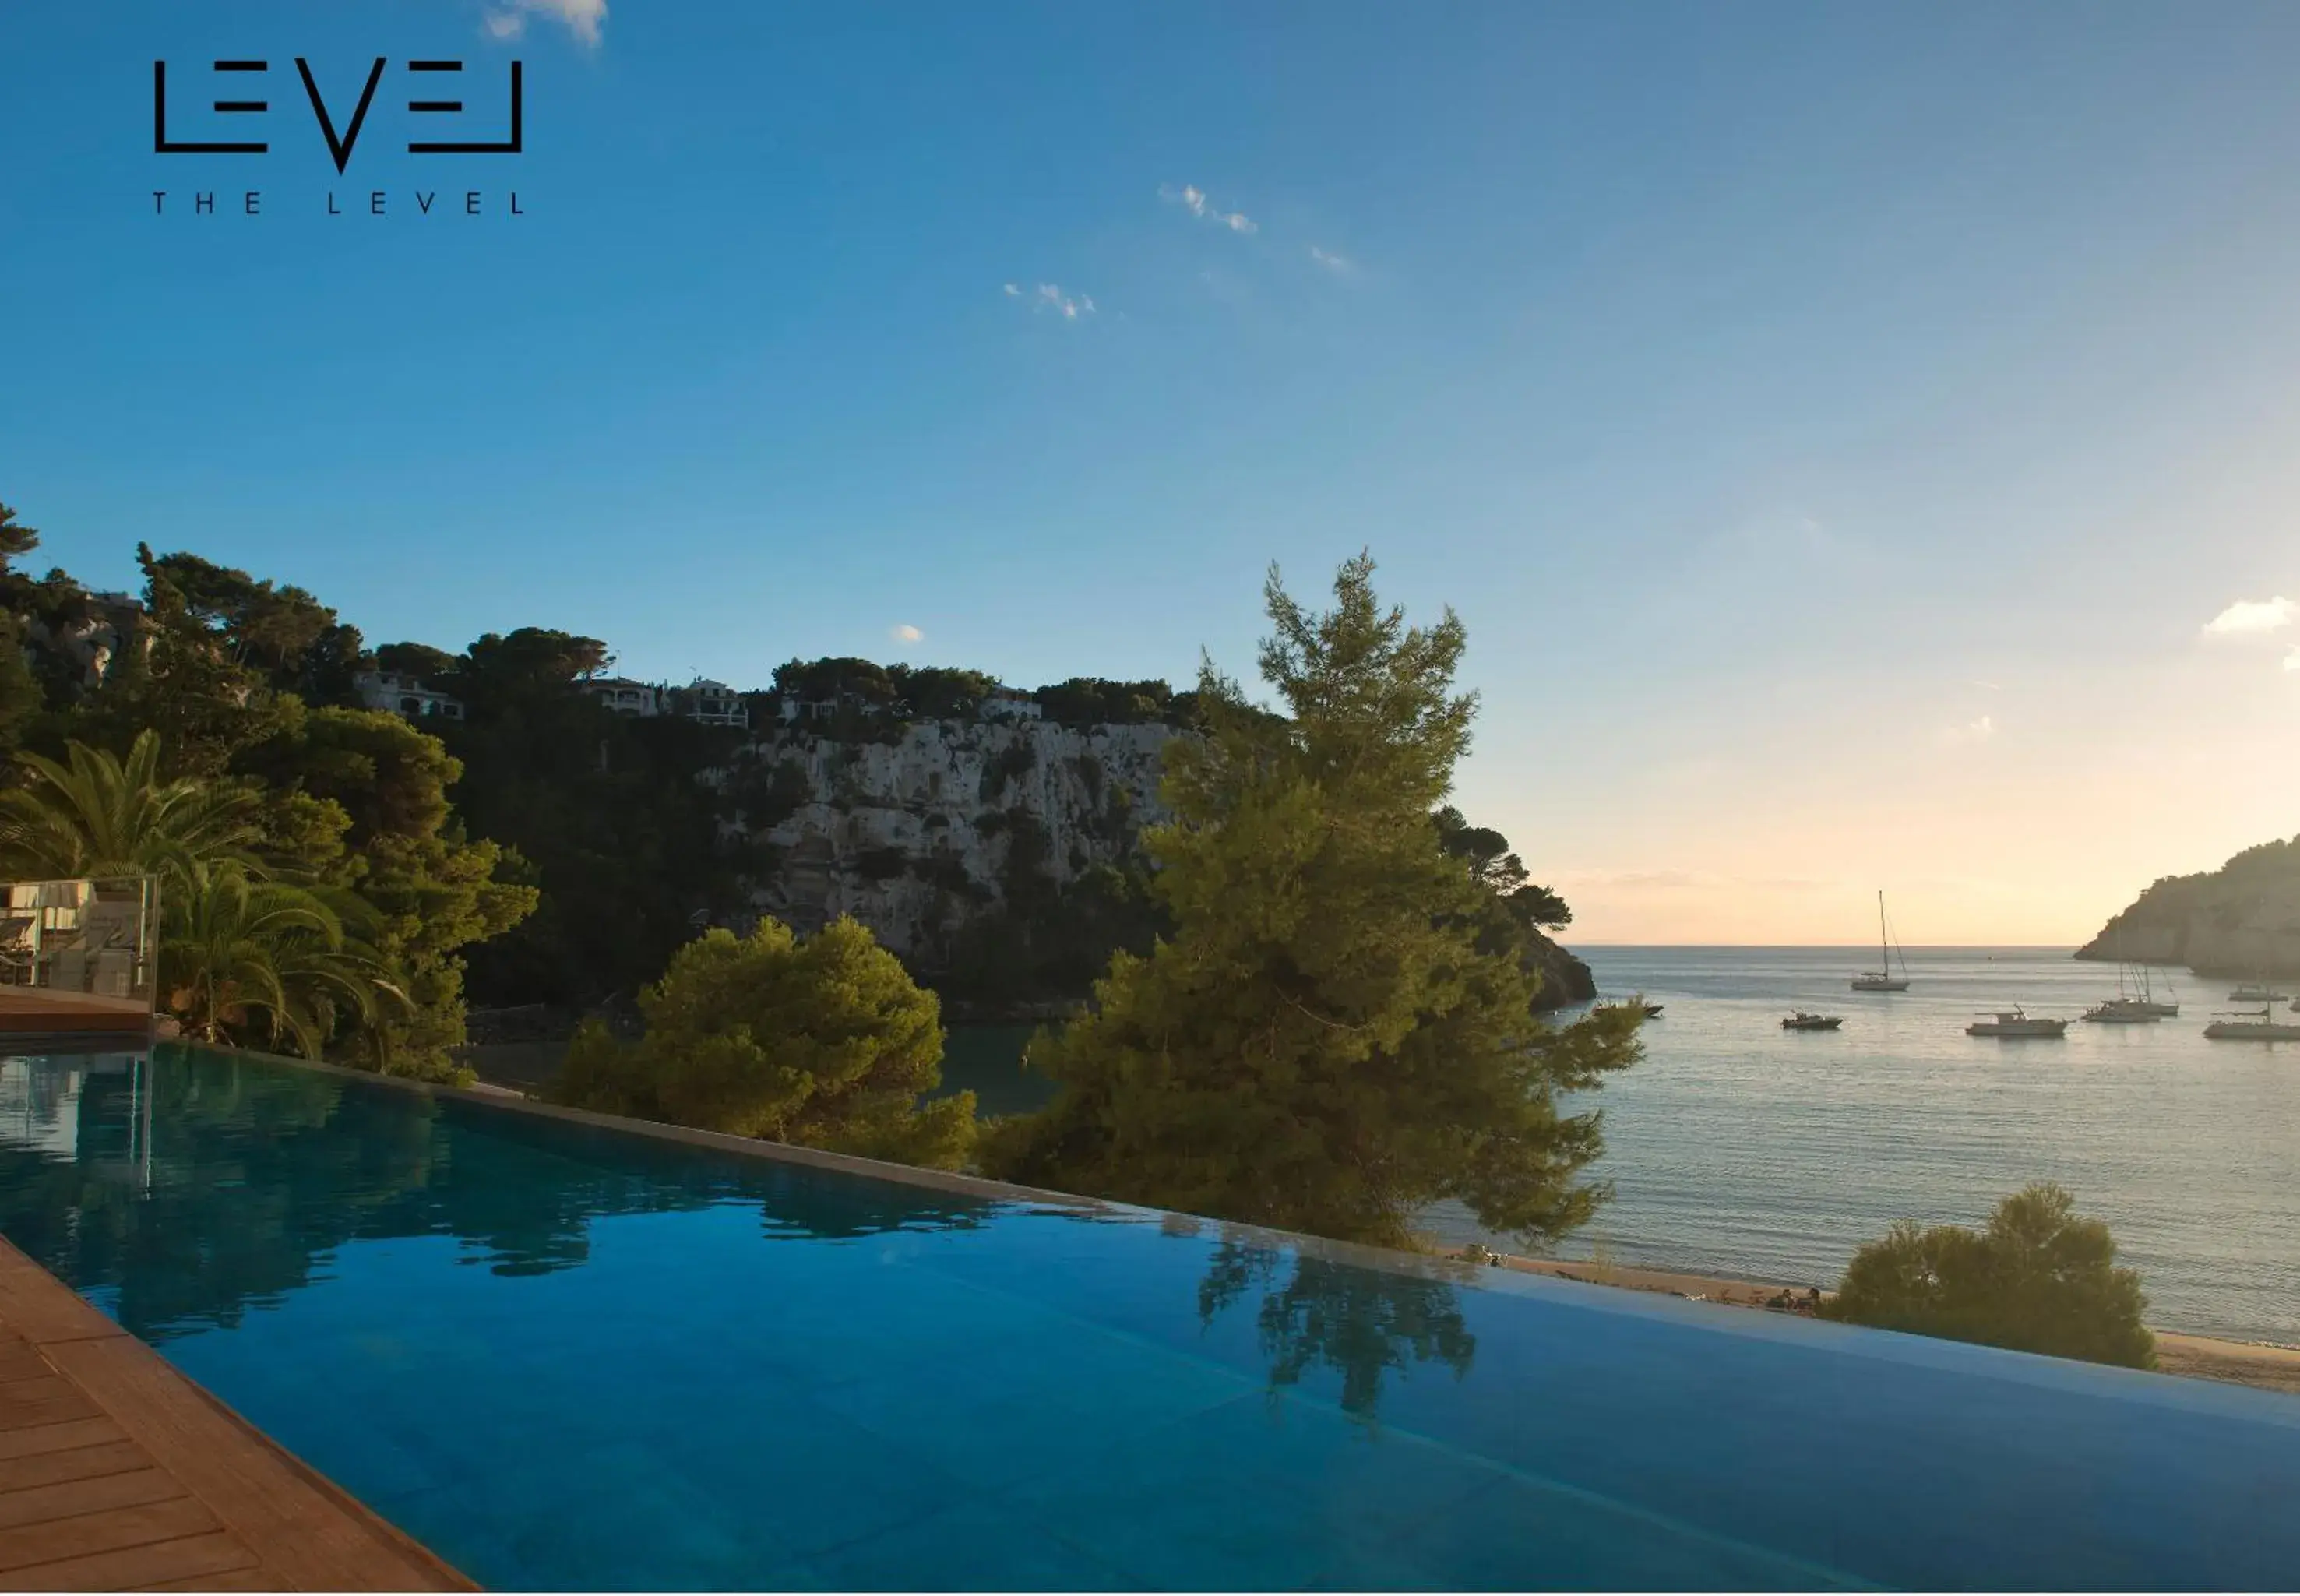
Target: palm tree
238, 952
96, 816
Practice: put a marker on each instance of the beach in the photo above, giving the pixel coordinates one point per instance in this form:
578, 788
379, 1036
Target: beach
2266, 1366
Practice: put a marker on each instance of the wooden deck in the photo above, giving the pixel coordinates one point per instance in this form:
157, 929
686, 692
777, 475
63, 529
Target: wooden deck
119, 1474
34, 1010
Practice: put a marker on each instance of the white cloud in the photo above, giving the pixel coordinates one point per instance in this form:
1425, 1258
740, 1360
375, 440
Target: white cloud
583, 18
906, 634
1340, 265
1049, 295
2292, 660
1971, 731
2248, 617
1193, 199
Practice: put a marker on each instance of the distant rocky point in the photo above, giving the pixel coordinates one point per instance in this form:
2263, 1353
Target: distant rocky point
2240, 922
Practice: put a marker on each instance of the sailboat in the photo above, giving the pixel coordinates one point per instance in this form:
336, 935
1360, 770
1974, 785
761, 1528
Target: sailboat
2252, 1025
1883, 980
2147, 1002
2126, 1008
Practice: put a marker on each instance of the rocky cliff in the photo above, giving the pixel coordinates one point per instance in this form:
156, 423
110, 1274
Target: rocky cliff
2240, 922
1564, 978
1001, 859
953, 840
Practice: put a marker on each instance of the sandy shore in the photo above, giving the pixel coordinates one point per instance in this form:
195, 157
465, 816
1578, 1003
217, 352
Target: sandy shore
2197, 1356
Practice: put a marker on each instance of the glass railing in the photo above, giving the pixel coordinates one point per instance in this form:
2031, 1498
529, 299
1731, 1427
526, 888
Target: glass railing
77, 951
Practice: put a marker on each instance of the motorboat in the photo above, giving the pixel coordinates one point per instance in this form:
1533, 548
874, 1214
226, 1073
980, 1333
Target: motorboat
1883, 980
2118, 1011
2251, 1026
1802, 1021
2015, 1022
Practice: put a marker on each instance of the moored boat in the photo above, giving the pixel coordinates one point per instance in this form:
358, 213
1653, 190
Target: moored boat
2251, 1026
2015, 1022
2257, 991
2147, 1002
1802, 1021
2135, 994
1883, 980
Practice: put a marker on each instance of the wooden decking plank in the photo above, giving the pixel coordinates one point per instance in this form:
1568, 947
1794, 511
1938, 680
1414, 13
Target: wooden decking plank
69, 1498
117, 1472
21, 1360
73, 1463
62, 1538
313, 1538
41, 1308
51, 1400
214, 1561
235, 1579
43, 1438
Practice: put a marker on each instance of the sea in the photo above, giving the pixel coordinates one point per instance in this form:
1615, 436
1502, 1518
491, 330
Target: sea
1735, 1147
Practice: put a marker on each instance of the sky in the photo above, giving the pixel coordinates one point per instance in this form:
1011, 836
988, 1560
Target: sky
1858, 440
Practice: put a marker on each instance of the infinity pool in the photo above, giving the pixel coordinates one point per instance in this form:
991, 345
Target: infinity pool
565, 1356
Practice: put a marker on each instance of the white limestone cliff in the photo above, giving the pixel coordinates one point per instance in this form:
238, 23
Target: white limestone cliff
919, 837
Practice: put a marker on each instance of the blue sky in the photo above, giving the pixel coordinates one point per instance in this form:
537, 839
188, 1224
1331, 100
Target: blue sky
1838, 426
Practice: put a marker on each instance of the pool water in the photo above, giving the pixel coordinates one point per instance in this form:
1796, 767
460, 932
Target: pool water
565, 1356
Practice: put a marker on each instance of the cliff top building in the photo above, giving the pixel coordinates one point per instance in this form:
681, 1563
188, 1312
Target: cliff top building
1010, 703
624, 695
402, 694
710, 703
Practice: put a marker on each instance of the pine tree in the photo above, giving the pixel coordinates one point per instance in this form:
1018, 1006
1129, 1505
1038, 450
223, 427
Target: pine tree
1331, 1040
824, 1041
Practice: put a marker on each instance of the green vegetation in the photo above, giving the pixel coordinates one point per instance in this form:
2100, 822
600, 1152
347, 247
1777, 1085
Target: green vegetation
1491, 865
825, 1042
304, 845
244, 959
95, 814
1091, 701
608, 816
1337, 1033
897, 693
2039, 1279
2242, 919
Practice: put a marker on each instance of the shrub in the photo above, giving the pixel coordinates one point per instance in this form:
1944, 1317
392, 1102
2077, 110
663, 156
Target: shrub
825, 1042
2039, 1279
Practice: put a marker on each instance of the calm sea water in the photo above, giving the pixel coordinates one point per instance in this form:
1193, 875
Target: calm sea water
1736, 1148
